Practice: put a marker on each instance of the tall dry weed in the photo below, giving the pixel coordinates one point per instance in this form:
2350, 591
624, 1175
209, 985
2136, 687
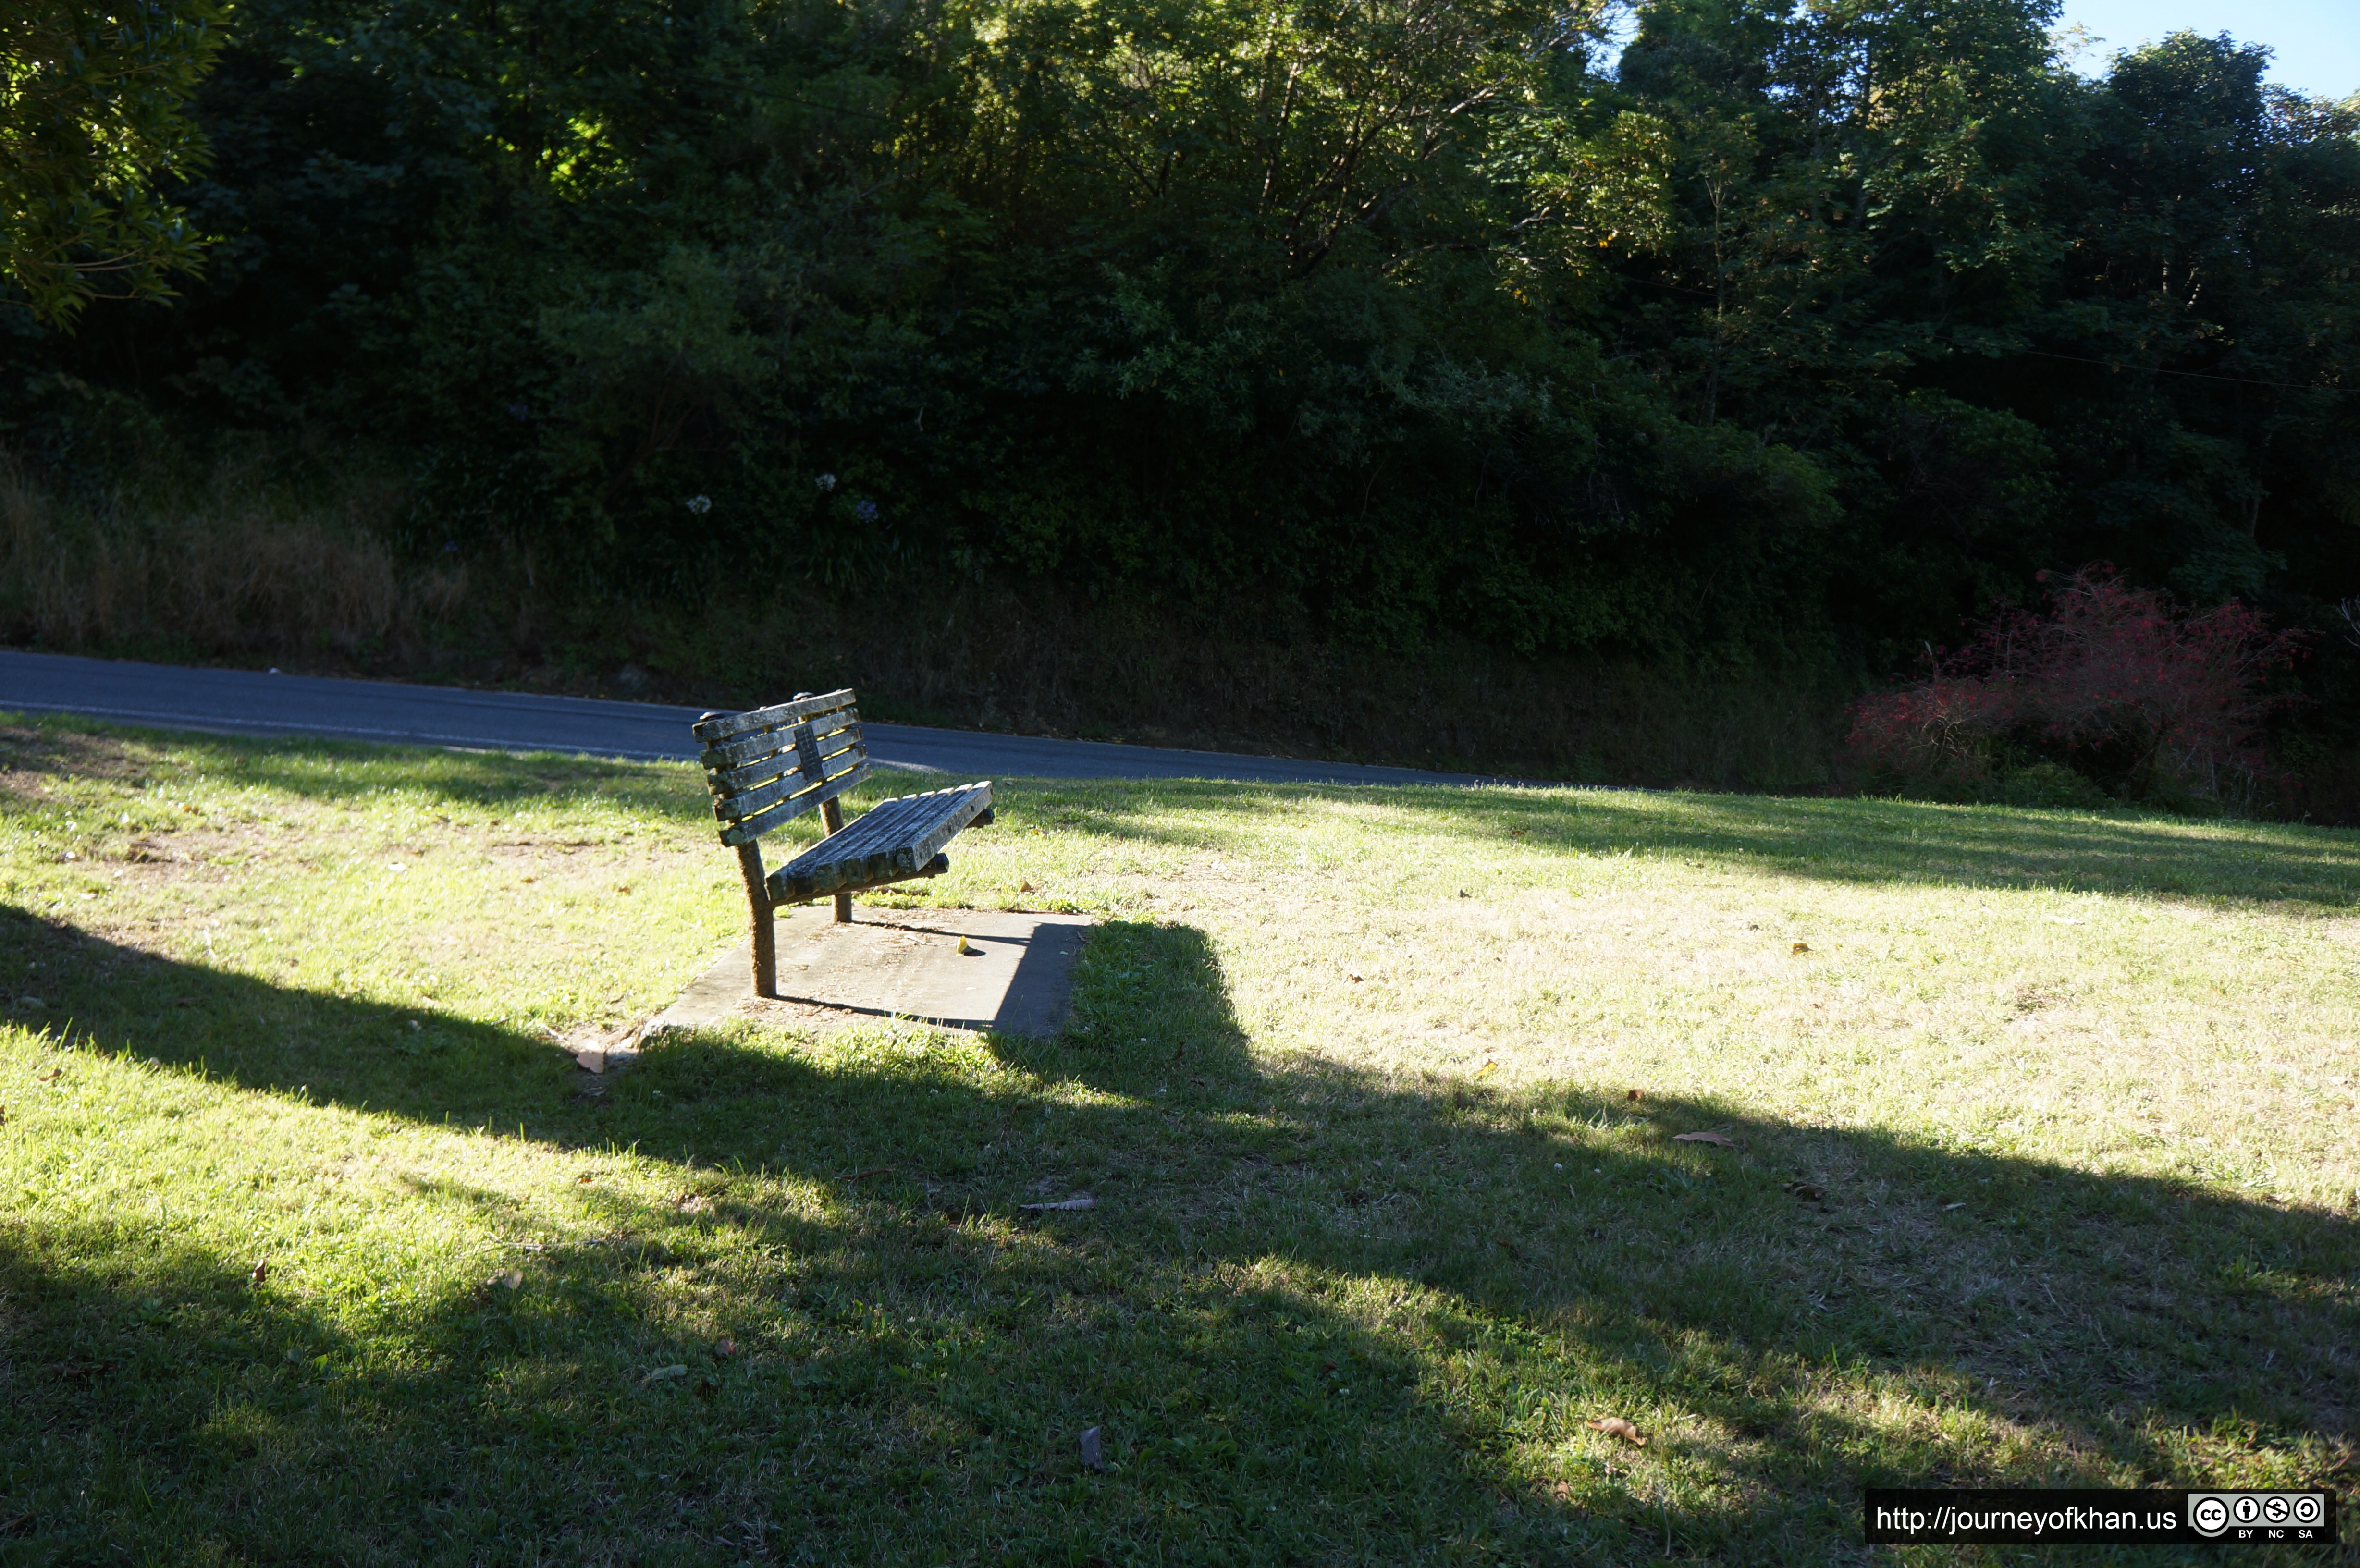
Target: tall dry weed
236, 565
1039, 662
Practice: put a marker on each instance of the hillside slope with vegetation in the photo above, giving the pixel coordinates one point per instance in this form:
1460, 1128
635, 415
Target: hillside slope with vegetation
1046, 360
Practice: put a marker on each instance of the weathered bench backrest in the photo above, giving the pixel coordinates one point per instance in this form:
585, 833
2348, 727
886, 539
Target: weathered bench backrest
773, 765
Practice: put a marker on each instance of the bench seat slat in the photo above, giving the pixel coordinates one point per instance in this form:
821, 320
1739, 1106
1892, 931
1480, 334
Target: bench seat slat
722, 727
934, 867
928, 824
746, 830
896, 839
771, 742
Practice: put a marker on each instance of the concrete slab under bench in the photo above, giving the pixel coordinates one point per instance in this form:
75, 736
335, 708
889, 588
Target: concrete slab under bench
1017, 976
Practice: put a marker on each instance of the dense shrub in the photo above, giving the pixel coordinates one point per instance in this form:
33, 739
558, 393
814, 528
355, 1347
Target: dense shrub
1777, 347
2121, 683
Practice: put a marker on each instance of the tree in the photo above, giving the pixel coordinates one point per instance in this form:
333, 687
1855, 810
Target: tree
92, 120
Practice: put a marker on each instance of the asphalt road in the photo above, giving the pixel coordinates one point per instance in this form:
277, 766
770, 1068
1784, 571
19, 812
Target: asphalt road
242, 702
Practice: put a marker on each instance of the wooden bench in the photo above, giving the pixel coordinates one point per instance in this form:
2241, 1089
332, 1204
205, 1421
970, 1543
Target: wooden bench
773, 765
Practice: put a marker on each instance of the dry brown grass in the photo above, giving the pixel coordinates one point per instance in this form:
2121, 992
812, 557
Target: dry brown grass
237, 563
1040, 663
235, 566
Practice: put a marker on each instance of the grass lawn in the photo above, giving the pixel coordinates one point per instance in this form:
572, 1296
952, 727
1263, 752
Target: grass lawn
2042, 1168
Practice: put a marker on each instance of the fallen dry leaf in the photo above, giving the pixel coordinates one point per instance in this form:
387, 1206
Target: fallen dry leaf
727, 1347
1802, 947
1636, 1094
1804, 1190
52, 1075
1024, 886
509, 1278
666, 1374
1487, 1069
872, 1171
261, 1271
1711, 1138
693, 1203
1616, 1426
584, 1178
1350, 975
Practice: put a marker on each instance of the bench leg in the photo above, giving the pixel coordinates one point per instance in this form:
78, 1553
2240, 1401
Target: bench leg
832, 815
765, 933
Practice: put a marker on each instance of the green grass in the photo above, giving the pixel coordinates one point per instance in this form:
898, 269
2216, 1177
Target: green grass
2044, 1171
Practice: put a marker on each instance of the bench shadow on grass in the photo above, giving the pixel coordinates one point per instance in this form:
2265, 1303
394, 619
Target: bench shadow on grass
1319, 1313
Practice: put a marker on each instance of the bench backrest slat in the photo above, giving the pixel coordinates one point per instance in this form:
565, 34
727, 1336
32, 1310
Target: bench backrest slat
770, 765
780, 758
753, 746
723, 726
763, 770
747, 829
753, 803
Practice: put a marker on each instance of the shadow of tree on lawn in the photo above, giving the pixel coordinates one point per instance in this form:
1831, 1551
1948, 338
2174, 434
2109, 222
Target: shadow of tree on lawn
1320, 1316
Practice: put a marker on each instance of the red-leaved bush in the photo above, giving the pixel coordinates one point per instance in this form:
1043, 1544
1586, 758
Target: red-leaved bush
2126, 685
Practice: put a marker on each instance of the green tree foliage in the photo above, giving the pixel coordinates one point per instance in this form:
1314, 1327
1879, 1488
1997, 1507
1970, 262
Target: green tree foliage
2027, 320
1795, 339
92, 121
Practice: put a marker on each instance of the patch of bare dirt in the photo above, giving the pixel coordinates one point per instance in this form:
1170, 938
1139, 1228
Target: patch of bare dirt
26, 754
163, 850
2033, 995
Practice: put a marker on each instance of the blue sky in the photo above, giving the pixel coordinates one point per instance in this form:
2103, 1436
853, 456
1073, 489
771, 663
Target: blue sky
2318, 42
